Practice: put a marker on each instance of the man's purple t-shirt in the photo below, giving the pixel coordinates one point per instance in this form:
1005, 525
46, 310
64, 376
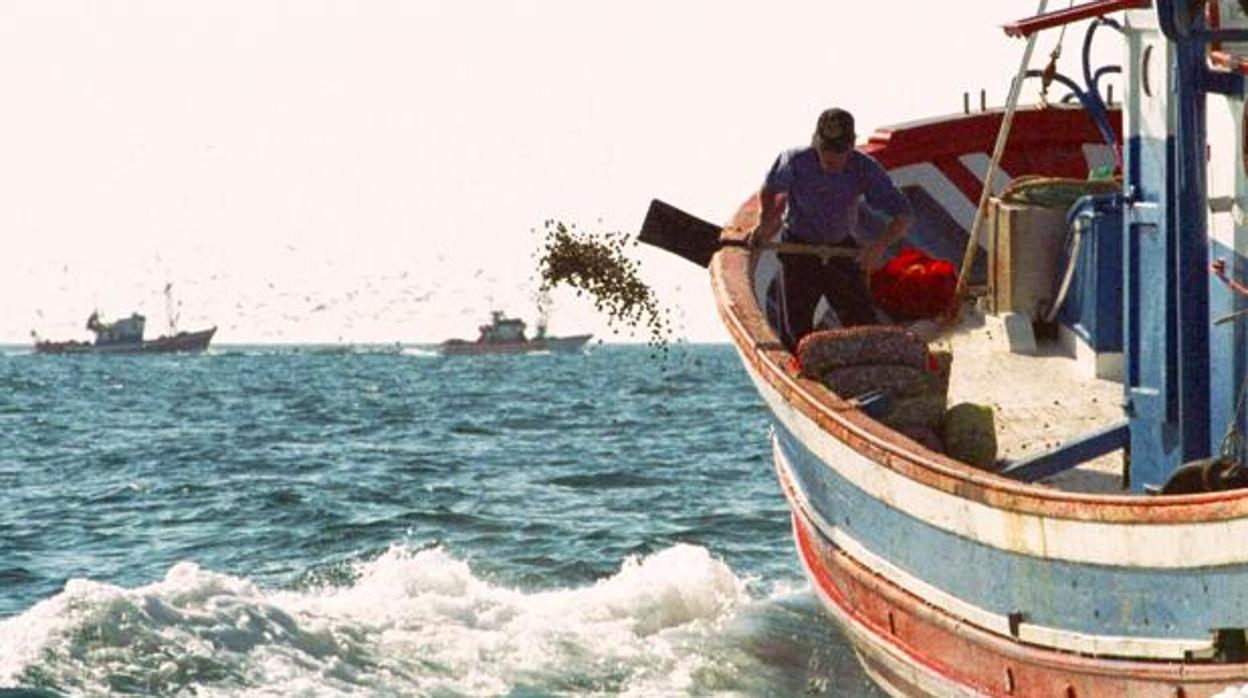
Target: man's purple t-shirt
823, 206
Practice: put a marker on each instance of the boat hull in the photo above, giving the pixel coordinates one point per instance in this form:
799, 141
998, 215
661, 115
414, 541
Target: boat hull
563, 345
181, 342
911, 649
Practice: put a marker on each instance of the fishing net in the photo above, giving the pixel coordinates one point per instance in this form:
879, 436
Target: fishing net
923, 410
896, 380
822, 351
1055, 192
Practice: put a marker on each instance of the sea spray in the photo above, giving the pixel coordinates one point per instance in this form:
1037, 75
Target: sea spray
416, 621
597, 264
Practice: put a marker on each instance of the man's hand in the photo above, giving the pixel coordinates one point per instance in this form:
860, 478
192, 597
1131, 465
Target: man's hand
872, 256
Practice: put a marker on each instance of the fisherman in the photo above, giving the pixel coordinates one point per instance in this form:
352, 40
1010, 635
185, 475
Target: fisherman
813, 194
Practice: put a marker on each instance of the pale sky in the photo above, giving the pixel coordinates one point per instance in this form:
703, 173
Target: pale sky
311, 170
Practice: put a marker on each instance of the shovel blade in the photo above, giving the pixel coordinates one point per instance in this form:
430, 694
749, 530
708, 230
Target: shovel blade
671, 229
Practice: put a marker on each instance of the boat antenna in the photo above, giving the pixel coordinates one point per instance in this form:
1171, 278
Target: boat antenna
170, 313
543, 310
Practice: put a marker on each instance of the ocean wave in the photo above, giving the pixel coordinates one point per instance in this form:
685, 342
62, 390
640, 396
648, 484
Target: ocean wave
409, 621
606, 481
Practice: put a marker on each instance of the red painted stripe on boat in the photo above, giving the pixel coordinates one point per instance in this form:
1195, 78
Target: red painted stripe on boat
961, 177
953, 651
834, 594
1031, 137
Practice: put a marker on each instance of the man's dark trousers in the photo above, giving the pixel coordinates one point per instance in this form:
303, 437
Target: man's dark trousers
840, 279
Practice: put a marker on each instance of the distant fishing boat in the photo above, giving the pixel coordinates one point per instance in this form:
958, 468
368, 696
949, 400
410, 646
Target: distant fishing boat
125, 336
1105, 551
504, 335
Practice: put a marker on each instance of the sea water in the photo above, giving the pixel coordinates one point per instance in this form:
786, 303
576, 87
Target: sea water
278, 522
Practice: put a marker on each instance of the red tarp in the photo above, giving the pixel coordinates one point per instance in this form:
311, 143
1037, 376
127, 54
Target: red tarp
914, 285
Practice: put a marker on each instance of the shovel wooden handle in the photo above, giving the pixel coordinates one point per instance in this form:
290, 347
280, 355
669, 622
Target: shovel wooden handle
671, 229
824, 252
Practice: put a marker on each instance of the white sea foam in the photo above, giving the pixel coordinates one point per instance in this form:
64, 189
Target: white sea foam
412, 622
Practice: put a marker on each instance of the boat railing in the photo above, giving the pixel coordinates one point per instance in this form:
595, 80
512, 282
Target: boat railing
1024, 28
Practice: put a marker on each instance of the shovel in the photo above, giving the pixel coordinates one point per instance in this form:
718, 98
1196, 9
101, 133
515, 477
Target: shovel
688, 236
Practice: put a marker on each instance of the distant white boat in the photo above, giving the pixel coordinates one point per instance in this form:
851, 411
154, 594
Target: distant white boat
504, 335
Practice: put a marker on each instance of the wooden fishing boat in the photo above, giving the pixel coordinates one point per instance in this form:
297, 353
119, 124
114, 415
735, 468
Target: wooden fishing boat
1106, 552
504, 335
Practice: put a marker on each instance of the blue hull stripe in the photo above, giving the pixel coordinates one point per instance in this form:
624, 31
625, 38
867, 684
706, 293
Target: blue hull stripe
1077, 597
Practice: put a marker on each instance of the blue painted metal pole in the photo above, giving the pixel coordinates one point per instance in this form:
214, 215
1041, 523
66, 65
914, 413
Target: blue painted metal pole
1192, 248
1222, 353
1167, 312
1070, 454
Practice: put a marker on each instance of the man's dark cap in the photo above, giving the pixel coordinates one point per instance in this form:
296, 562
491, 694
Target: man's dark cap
834, 130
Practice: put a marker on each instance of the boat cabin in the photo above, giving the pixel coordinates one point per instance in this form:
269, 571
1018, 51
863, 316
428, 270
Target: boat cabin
502, 329
124, 331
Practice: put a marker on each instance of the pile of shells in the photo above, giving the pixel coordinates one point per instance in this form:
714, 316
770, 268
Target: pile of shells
595, 264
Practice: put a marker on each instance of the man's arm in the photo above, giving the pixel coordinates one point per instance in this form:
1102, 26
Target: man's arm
768, 218
883, 195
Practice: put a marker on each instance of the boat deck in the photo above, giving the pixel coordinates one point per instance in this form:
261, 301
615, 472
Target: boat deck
1040, 400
